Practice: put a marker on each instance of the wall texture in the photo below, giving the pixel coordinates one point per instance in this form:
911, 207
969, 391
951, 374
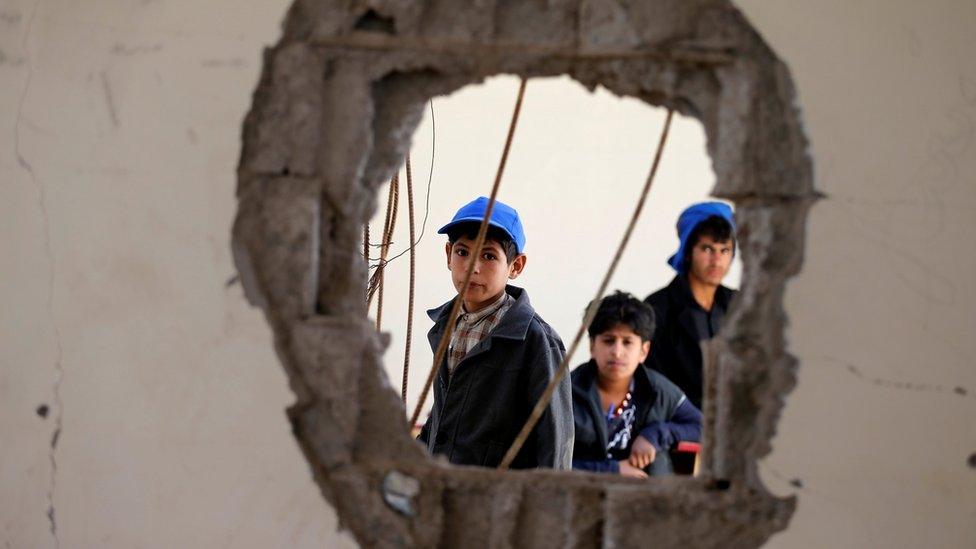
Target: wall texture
121, 124
878, 430
116, 197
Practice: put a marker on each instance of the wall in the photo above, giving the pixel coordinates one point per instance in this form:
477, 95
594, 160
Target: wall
117, 193
121, 135
883, 312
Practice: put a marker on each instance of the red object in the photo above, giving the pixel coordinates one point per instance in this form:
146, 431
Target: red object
684, 457
689, 447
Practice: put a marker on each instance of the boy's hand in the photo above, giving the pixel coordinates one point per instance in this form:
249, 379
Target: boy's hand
628, 470
642, 453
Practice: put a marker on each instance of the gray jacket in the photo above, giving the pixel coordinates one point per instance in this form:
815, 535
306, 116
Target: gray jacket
479, 410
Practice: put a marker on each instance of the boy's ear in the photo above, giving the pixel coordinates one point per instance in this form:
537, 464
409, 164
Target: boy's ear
515, 269
447, 252
645, 350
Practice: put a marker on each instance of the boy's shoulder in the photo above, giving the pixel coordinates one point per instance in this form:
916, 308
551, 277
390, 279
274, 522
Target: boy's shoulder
583, 375
537, 341
660, 299
665, 390
535, 325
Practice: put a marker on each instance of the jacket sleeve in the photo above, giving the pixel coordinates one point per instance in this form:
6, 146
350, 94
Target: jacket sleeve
659, 304
424, 435
684, 424
552, 438
597, 465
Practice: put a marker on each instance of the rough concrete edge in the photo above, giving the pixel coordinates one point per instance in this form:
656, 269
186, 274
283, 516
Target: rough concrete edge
766, 394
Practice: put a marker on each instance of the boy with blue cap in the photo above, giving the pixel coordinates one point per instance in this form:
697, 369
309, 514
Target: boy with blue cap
690, 309
501, 355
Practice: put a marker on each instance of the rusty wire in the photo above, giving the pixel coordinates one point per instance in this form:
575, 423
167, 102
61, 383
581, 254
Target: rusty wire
366, 241
479, 242
543, 402
376, 281
413, 275
430, 178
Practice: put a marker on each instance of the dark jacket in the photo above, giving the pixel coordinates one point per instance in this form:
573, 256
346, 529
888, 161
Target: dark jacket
479, 410
681, 326
664, 417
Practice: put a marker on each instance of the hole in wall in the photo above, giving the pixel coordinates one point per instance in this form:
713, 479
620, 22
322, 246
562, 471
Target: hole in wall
297, 244
577, 165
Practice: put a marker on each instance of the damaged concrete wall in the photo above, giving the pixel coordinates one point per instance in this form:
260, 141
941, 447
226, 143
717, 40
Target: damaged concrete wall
124, 120
338, 99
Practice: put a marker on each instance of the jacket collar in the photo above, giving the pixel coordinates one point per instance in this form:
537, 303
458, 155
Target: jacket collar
515, 324
584, 379
680, 290
584, 385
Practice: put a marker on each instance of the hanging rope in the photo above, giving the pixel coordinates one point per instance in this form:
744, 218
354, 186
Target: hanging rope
366, 242
376, 281
391, 209
543, 402
413, 275
430, 178
479, 242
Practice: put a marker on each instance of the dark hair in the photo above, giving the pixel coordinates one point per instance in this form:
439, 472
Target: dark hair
715, 227
470, 230
623, 308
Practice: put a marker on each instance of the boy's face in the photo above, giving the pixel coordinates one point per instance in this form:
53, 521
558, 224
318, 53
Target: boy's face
491, 271
618, 351
710, 260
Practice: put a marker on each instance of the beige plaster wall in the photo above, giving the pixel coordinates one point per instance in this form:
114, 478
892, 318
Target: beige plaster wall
880, 426
121, 136
116, 196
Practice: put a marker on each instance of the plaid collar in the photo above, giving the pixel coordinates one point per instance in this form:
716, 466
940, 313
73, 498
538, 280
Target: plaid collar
516, 325
474, 327
477, 316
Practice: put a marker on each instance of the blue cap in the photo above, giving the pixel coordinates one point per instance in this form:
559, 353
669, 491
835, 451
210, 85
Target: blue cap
503, 217
689, 219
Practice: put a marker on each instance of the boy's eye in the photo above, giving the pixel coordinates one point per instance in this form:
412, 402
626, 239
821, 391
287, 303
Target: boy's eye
489, 257
461, 252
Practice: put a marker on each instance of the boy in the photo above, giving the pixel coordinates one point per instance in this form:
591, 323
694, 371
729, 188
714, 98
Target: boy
501, 354
627, 417
690, 309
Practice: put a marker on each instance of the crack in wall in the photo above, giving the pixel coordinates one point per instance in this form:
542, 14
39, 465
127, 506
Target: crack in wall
888, 383
49, 252
109, 100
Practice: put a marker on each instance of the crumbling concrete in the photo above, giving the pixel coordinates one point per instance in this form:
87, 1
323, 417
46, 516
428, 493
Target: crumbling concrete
332, 117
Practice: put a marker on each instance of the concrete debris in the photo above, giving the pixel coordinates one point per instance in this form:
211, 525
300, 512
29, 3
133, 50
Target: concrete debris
399, 491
